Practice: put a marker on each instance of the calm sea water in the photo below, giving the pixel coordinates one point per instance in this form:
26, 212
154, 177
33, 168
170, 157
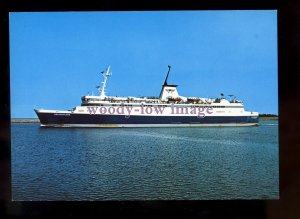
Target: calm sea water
145, 163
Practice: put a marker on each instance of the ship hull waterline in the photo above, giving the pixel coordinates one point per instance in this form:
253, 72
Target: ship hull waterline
101, 121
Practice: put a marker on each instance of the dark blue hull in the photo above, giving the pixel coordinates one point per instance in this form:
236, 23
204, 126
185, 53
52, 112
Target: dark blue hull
54, 119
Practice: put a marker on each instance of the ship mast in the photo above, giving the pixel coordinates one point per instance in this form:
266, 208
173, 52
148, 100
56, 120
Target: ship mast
166, 80
105, 75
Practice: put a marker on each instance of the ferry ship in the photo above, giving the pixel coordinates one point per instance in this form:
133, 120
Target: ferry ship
168, 110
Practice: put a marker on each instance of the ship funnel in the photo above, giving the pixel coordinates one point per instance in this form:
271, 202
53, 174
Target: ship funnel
168, 90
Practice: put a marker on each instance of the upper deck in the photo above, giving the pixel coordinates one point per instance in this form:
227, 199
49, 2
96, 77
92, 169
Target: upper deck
168, 95
220, 102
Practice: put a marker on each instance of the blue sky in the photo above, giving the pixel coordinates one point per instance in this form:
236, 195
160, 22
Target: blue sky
55, 58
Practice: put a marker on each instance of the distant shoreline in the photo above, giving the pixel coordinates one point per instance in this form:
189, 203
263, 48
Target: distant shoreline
32, 120
268, 118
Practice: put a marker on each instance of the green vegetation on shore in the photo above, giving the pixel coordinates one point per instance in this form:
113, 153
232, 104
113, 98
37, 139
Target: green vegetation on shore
268, 117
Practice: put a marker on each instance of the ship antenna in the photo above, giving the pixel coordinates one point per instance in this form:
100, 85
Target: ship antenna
105, 75
166, 80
